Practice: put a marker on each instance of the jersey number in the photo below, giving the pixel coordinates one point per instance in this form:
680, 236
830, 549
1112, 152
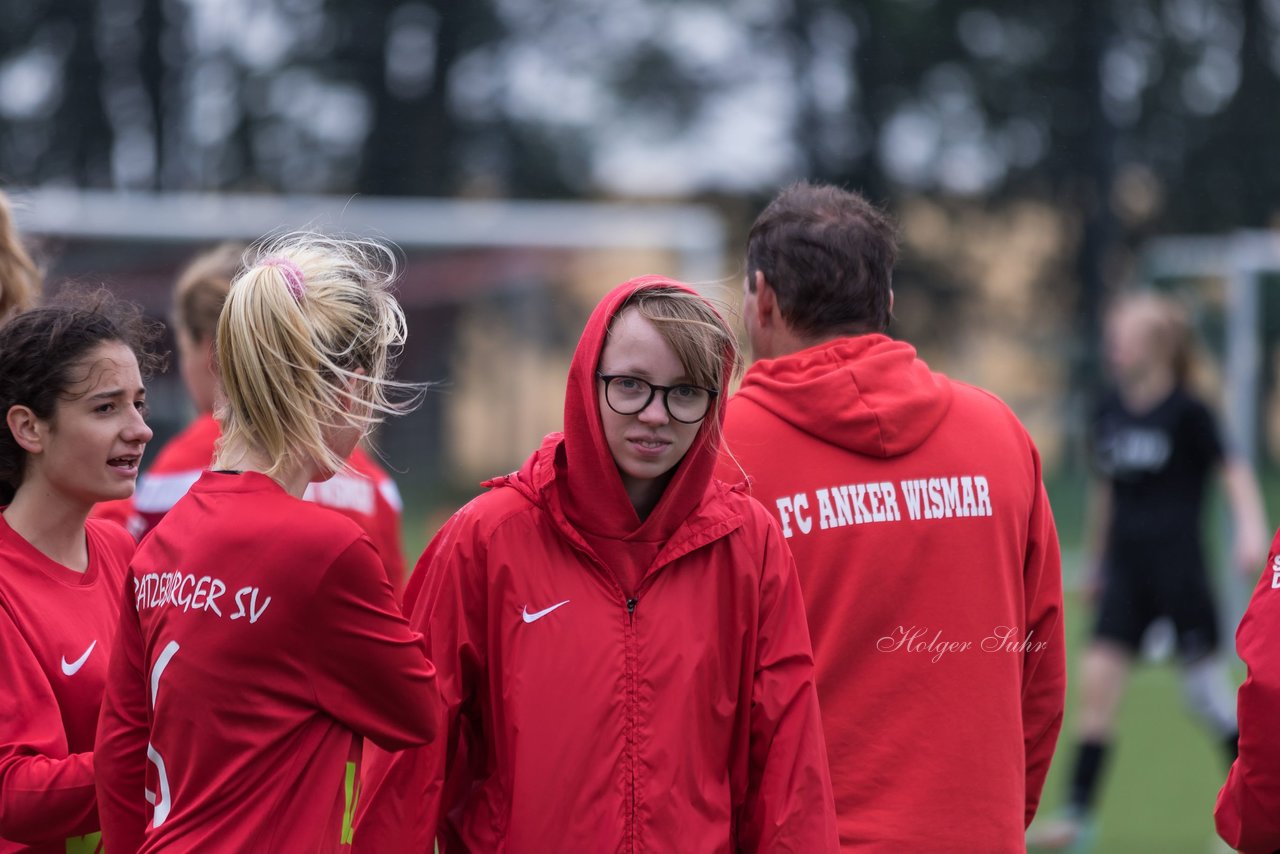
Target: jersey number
162, 802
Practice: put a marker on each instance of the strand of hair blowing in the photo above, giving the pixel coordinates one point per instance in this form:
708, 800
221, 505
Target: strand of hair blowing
20, 278
299, 362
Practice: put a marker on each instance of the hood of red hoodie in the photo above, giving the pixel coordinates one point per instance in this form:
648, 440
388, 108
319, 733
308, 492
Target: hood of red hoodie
868, 394
575, 470
540, 480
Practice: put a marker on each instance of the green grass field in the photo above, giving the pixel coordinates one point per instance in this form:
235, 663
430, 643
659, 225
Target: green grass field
1165, 770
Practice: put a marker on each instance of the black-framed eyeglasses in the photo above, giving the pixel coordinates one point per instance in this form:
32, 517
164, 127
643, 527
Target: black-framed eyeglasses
687, 404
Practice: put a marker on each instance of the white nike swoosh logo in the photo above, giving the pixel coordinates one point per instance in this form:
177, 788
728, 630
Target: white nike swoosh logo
538, 615
74, 667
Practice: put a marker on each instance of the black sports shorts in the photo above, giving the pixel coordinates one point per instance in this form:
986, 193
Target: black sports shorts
1142, 583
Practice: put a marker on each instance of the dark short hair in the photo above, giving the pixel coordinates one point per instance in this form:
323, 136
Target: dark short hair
828, 254
39, 352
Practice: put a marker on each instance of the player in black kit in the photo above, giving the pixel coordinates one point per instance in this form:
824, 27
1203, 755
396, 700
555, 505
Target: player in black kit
1155, 447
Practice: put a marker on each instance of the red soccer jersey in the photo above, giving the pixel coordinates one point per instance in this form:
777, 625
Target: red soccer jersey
259, 642
56, 631
119, 510
366, 494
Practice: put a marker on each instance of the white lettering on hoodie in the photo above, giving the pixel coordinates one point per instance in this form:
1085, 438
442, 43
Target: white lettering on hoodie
926, 498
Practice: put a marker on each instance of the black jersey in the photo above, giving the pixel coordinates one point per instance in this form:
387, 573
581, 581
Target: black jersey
1158, 463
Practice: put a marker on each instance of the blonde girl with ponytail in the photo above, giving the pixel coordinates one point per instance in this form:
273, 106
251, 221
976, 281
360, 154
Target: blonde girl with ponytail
304, 346
366, 493
260, 641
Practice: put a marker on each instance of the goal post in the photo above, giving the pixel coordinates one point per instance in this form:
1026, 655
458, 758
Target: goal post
494, 289
1241, 261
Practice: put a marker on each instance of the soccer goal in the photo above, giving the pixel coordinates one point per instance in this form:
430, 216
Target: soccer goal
496, 292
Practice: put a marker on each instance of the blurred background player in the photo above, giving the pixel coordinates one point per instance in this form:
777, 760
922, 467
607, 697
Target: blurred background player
621, 640
71, 390
20, 278
260, 640
922, 533
1155, 446
363, 491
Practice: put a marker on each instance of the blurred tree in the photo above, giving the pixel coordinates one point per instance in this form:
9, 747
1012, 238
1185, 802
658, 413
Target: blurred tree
1232, 176
1166, 99
404, 54
1129, 116
53, 114
154, 77
81, 120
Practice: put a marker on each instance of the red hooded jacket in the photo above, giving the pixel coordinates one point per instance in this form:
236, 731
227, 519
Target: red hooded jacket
1248, 810
683, 718
930, 568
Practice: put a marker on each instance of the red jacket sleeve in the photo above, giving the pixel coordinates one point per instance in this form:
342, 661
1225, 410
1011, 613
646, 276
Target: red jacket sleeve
789, 804
1044, 665
368, 669
1248, 809
123, 733
45, 794
406, 793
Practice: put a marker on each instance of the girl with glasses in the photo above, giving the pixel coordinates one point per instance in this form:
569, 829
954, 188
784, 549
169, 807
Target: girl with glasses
621, 641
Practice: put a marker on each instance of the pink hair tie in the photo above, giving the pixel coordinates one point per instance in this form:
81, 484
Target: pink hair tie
292, 275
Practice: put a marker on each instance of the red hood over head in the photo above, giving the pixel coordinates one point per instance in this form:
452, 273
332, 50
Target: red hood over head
590, 487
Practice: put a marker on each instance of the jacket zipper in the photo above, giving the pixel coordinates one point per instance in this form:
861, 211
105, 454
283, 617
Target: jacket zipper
633, 725
633, 678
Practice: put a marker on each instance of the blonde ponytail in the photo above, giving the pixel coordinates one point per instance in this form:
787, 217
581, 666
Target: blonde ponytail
305, 345
20, 278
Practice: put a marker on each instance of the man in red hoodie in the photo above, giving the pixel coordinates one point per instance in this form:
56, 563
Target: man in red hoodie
925, 544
